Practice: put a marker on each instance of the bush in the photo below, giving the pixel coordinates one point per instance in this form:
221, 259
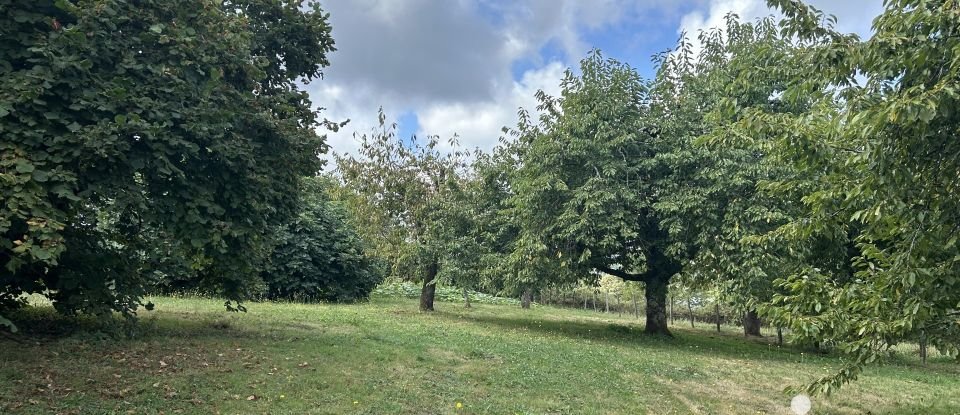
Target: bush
319, 256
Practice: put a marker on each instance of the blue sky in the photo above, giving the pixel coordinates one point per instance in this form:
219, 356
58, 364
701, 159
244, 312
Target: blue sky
445, 67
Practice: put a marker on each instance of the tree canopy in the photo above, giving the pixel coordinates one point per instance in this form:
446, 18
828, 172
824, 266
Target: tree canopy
132, 125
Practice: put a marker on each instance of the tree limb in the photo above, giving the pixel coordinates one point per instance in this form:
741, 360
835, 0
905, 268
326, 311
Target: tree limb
624, 275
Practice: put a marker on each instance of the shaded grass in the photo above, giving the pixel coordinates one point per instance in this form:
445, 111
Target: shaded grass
189, 356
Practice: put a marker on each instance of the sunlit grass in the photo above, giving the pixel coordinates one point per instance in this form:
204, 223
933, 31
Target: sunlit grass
190, 356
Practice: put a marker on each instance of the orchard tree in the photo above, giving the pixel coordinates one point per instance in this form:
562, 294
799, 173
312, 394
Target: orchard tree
712, 202
587, 183
125, 122
401, 193
880, 141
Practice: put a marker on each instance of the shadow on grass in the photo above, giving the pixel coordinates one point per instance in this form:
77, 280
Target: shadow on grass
631, 335
41, 323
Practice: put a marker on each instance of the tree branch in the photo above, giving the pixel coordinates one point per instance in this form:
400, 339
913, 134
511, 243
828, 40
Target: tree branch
624, 275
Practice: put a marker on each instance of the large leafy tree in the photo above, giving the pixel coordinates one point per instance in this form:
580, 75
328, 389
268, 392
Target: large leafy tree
128, 123
880, 144
587, 183
712, 202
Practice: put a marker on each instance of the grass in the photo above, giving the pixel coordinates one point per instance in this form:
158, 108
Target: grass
189, 356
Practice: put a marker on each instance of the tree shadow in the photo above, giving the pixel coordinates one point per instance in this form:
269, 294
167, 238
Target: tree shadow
39, 324
626, 334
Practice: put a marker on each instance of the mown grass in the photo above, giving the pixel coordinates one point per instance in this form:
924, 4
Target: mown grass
189, 356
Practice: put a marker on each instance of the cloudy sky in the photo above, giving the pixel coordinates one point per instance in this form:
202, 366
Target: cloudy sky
444, 67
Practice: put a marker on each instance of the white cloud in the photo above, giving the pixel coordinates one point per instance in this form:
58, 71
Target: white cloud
854, 16
696, 21
479, 124
449, 62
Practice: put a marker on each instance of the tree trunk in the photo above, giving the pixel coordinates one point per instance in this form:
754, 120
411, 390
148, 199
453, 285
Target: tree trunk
525, 299
779, 336
751, 324
619, 307
595, 301
636, 309
923, 348
672, 321
656, 296
690, 311
718, 316
606, 301
429, 290
584, 303
466, 298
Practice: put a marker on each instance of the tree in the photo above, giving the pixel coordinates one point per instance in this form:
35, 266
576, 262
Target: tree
586, 184
400, 193
319, 255
713, 202
190, 128
880, 141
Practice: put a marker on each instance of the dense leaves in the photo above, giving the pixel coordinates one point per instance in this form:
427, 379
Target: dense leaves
129, 125
712, 201
587, 182
879, 145
319, 255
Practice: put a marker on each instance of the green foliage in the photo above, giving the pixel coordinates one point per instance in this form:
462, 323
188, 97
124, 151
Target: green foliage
189, 134
581, 192
319, 255
879, 152
713, 201
406, 198
586, 185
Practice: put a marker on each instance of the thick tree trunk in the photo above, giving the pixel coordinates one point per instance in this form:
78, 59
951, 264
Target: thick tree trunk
584, 303
656, 296
525, 299
429, 290
751, 323
779, 336
466, 298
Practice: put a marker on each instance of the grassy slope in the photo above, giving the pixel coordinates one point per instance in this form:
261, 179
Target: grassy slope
384, 357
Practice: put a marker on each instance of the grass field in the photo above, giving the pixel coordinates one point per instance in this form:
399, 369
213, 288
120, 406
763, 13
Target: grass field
189, 356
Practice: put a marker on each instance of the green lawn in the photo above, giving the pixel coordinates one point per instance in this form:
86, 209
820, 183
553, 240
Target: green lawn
384, 357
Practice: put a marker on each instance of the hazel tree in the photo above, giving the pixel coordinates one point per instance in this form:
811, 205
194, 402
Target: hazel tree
128, 123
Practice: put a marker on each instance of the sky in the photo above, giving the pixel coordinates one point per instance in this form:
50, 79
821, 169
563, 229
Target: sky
464, 67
